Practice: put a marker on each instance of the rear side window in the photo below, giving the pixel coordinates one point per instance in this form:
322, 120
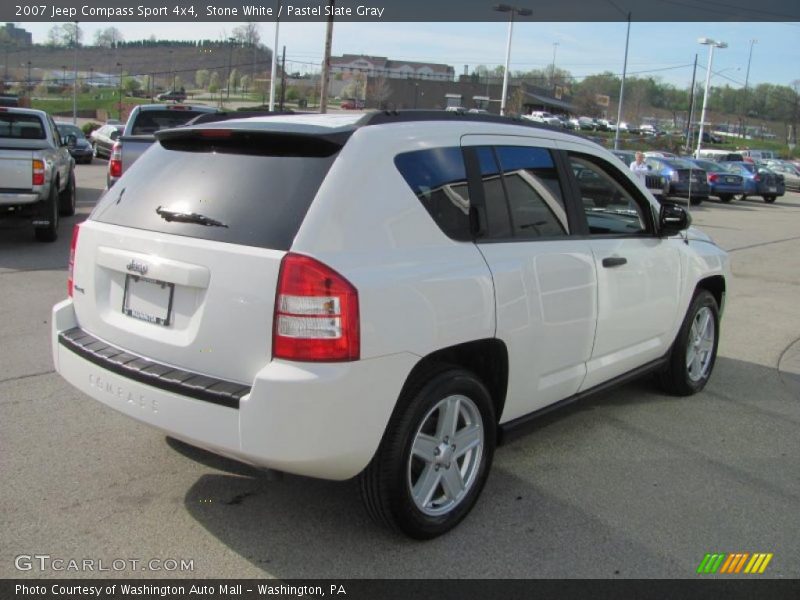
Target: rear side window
20, 126
228, 194
438, 178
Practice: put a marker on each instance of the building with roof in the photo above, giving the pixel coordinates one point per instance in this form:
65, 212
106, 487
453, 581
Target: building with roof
380, 66
17, 35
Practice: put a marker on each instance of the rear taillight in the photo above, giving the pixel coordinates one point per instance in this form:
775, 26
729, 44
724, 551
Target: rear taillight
712, 177
316, 313
115, 162
756, 177
38, 172
73, 244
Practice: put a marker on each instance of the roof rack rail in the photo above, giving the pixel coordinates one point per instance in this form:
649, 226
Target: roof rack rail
411, 115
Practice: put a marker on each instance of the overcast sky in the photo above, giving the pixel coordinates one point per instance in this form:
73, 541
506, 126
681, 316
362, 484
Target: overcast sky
664, 50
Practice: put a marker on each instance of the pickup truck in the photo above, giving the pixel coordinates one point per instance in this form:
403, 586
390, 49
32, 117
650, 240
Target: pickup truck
37, 172
139, 133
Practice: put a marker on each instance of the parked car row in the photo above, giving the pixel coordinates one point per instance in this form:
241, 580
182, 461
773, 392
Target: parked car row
726, 177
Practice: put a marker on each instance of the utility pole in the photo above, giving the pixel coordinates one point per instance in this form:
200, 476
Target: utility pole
326, 62
622, 85
746, 97
274, 63
283, 78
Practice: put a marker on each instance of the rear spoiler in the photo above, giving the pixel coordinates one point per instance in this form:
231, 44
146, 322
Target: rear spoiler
242, 114
253, 142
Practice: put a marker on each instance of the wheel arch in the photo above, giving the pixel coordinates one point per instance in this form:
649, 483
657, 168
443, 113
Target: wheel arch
715, 285
486, 358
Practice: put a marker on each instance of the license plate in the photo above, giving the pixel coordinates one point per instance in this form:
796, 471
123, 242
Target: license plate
773, 189
730, 180
148, 300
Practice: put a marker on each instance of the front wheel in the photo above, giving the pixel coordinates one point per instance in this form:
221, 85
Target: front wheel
695, 349
435, 455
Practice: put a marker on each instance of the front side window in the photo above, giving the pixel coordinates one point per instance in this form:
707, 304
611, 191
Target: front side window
609, 207
522, 193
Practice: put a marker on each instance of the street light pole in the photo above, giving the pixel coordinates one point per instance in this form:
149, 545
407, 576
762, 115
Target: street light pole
512, 10
711, 44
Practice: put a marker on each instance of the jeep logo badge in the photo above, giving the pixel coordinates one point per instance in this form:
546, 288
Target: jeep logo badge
137, 267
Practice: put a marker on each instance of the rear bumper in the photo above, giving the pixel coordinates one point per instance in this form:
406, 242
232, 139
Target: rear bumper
321, 420
682, 189
18, 199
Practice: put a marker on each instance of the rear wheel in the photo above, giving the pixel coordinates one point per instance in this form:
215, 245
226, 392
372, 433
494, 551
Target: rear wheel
725, 197
435, 455
769, 199
66, 199
695, 349
695, 200
49, 232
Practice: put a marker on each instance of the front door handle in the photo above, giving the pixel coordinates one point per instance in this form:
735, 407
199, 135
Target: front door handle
614, 261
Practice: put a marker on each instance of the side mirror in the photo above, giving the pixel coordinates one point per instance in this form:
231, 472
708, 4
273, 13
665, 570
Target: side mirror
114, 135
673, 219
70, 140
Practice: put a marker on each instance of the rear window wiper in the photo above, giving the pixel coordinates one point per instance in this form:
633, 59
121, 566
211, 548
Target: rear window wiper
184, 217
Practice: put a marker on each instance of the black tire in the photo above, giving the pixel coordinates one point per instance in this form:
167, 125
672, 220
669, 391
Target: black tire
678, 378
49, 233
386, 483
696, 200
67, 198
725, 198
769, 199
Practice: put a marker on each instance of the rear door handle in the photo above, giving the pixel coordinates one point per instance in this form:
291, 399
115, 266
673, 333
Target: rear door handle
614, 261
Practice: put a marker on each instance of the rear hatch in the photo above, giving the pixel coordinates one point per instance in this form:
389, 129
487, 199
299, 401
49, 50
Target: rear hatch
179, 261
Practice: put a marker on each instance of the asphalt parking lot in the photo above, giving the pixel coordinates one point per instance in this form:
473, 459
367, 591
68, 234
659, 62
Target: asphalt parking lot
629, 484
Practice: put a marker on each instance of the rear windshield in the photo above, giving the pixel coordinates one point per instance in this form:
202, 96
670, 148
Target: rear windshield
150, 121
28, 127
253, 200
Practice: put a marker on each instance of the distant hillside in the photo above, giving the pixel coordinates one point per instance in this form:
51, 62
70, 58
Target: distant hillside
160, 61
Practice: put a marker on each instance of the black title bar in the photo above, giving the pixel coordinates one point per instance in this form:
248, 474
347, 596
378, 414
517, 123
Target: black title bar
188, 11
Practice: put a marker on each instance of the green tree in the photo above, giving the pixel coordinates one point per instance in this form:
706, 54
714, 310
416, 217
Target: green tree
213, 83
233, 80
109, 37
201, 78
244, 82
130, 85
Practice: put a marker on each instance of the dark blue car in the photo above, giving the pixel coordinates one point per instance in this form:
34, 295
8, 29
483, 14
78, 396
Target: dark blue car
758, 181
685, 178
722, 183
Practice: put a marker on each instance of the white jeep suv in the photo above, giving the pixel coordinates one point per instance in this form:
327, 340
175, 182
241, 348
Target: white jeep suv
385, 296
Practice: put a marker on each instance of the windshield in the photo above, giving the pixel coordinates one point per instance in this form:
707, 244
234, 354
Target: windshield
69, 130
150, 121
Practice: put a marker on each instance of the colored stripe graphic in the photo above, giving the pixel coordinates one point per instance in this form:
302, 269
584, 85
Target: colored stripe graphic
734, 562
